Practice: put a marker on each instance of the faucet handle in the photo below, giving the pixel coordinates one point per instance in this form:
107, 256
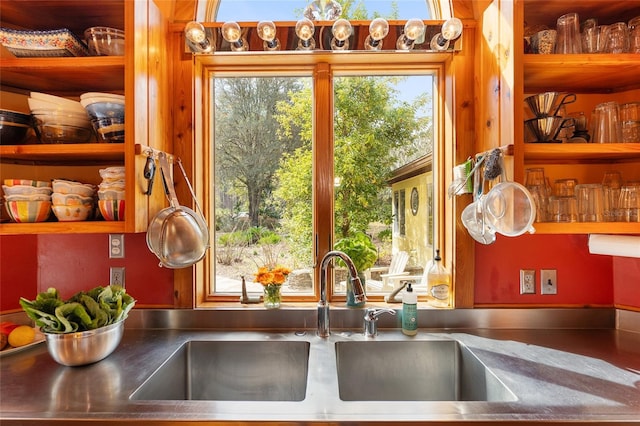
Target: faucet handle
372, 314
371, 320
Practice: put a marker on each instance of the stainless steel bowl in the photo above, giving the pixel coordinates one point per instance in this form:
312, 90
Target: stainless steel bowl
84, 347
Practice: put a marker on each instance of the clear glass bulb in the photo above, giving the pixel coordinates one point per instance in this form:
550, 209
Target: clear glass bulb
305, 30
341, 31
232, 33
413, 30
452, 29
194, 31
267, 32
196, 34
378, 29
323, 10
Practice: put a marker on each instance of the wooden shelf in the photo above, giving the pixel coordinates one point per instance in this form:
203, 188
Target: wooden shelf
89, 227
603, 73
581, 152
64, 75
60, 154
587, 228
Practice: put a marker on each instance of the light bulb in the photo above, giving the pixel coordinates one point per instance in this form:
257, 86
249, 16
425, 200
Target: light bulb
341, 31
451, 30
378, 29
413, 30
196, 34
267, 32
305, 30
323, 10
232, 33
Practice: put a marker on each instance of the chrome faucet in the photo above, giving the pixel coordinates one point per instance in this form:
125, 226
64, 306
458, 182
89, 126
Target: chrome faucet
371, 320
323, 306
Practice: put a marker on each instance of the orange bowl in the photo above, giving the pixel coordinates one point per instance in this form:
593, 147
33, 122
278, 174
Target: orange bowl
111, 209
28, 211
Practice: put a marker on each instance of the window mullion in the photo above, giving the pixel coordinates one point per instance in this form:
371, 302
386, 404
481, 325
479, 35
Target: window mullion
322, 167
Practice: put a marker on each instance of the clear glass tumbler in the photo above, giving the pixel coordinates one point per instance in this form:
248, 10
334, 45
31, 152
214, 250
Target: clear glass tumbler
590, 202
568, 34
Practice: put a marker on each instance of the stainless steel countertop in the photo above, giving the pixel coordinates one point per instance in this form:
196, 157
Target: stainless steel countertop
562, 364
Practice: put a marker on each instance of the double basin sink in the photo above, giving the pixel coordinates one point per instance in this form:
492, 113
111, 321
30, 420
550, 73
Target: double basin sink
367, 370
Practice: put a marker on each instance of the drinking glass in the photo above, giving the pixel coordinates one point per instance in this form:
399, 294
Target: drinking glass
618, 38
565, 187
634, 35
590, 202
605, 122
536, 184
562, 209
568, 34
594, 39
611, 184
629, 204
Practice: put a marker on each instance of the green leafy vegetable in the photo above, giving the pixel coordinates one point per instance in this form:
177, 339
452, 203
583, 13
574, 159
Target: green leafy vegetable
84, 311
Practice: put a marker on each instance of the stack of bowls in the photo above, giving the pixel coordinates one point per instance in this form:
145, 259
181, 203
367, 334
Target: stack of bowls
27, 201
59, 120
14, 127
106, 111
111, 193
546, 124
73, 201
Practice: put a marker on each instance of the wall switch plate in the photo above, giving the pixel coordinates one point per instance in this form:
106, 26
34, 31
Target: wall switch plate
527, 281
116, 275
548, 281
116, 246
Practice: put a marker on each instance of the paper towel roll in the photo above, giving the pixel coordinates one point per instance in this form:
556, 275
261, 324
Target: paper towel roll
614, 245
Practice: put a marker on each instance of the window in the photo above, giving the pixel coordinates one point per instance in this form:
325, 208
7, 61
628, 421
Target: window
299, 157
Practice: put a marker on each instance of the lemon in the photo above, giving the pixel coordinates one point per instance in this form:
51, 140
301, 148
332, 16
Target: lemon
22, 335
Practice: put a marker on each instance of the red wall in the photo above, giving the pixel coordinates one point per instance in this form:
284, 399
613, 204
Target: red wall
626, 279
32, 263
583, 278
74, 262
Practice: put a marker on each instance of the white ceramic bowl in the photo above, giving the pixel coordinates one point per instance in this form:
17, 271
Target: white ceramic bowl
72, 213
69, 187
111, 194
42, 104
70, 199
28, 197
26, 190
90, 96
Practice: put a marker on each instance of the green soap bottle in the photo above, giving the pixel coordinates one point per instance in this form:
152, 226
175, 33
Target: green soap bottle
409, 312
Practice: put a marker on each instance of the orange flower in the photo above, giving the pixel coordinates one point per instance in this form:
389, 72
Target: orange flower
277, 275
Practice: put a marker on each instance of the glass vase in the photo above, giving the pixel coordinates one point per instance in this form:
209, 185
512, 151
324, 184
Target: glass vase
272, 296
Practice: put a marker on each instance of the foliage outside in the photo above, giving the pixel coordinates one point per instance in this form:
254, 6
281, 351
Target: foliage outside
264, 155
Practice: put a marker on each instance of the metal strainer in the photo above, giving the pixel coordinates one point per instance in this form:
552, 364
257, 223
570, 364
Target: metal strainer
177, 235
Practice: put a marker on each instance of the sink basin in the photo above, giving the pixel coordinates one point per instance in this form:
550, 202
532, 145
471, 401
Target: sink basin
441, 370
231, 371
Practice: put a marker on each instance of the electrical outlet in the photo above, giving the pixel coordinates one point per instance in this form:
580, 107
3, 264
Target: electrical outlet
548, 281
116, 246
116, 275
527, 281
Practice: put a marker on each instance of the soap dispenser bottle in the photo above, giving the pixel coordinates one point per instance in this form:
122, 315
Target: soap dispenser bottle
439, 283
409, 312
